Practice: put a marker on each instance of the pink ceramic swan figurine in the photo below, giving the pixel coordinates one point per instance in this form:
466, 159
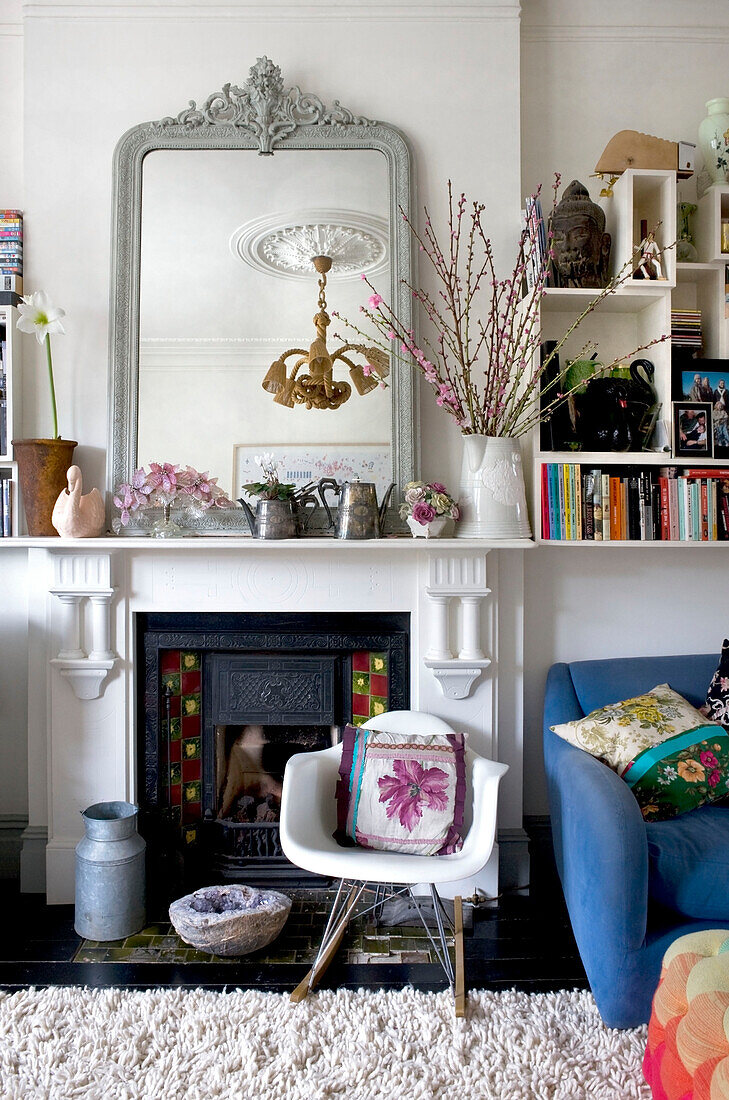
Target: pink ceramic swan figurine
76, 516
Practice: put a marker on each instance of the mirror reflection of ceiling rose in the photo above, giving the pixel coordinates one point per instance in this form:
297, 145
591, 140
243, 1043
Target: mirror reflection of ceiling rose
283, 245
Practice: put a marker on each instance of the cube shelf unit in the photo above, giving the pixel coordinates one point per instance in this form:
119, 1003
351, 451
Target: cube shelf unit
9, 338
640, 311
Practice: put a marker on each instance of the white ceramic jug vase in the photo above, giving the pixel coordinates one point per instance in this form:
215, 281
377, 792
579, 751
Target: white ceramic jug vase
491, 498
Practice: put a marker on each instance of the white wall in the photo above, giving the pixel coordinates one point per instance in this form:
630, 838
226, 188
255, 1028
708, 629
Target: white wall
590, 69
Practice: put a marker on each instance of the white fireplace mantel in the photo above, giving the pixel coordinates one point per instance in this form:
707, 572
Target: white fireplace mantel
465, 655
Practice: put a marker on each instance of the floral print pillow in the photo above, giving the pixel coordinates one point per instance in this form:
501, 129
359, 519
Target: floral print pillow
681, 773
669, 754
716, 706
401, 794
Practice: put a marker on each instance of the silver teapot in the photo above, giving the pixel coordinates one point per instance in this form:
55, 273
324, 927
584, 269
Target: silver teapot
358, 514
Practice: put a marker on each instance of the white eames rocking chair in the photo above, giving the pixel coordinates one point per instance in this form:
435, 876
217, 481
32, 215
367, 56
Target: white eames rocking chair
309, 819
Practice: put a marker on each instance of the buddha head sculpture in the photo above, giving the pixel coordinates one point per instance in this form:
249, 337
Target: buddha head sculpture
581, 245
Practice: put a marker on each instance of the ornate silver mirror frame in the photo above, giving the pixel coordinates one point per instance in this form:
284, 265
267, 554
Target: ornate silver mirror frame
261, 116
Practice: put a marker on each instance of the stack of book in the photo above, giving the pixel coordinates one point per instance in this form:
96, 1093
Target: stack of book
536, 240
665, 503
11, 257
3, 392
6, 506
686, 328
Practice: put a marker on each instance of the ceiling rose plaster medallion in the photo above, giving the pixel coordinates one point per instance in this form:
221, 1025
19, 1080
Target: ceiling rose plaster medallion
284, 245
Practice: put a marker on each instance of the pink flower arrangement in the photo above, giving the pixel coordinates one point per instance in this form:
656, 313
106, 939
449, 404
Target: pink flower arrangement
167, 485
426, 501
481, 354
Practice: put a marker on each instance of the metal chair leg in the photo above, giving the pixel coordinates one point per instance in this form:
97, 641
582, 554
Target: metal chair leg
333, 936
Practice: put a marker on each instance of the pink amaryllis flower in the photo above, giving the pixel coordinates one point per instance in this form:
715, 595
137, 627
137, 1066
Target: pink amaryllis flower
410, 788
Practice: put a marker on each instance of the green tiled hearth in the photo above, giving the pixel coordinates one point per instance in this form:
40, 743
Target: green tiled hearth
298, 942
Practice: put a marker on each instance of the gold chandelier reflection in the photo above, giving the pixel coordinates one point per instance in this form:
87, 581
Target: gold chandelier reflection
316, 388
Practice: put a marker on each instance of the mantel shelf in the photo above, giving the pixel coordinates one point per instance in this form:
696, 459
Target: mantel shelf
246, 544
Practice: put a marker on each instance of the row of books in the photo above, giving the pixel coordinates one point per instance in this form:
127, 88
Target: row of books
536, 240
686, 328
6, 507
664, 503
3, 392
11, 242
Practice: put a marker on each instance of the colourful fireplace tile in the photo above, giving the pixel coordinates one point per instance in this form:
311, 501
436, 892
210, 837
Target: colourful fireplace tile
378, 663
190, 704
191, 791
170, 660
190, 682
191, 748
171, 680
191, 773
181, 671
361, 683
370, 685
361, 661
190, 726
377, 706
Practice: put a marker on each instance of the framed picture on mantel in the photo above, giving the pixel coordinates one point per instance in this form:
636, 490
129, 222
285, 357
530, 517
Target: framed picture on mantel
300, 464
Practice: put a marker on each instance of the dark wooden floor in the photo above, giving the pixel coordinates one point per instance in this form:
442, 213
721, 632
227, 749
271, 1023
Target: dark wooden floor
519, 943
523, 941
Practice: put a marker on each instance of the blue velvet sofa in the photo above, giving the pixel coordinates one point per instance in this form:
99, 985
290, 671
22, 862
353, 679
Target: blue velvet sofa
631, 887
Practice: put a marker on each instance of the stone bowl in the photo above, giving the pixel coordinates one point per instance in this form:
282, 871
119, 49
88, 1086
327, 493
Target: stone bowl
231, 919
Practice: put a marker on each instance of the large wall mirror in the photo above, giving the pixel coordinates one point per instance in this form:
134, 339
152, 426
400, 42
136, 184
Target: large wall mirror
217, 214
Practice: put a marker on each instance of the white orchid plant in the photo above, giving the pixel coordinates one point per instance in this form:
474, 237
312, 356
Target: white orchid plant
270, 488
39, 316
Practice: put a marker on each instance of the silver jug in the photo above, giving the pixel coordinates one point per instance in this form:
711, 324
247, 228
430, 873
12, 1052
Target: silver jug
280, 519
358, 515
110, 882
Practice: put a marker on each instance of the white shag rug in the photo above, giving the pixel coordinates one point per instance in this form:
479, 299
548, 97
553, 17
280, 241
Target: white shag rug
64, 1043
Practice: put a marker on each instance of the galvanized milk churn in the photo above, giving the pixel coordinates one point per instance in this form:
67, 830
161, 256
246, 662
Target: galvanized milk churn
110, 887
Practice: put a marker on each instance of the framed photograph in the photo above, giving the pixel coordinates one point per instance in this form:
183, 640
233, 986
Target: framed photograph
301, 463
705, 380
692, 434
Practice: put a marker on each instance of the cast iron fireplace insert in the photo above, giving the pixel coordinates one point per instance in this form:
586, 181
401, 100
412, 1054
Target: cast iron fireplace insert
225, 700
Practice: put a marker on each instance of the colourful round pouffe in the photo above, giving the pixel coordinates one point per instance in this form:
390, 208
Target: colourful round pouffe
687, 1056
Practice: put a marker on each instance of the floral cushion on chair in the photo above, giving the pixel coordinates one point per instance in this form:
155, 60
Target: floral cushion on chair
716, 706
401, 793
668, 753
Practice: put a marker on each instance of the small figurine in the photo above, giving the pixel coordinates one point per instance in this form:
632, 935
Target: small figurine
76, 516
649, 265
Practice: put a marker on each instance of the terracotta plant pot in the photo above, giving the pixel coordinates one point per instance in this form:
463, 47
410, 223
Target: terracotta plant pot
42, 467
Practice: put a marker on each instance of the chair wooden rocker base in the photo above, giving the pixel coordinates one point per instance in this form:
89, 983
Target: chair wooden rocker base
309, 821
347, 897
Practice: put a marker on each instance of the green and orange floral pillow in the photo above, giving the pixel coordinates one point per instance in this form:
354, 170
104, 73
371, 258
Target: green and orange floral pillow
669, 754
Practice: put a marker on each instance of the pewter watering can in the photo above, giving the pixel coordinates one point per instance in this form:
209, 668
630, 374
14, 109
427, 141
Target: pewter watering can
358, 515
281, 519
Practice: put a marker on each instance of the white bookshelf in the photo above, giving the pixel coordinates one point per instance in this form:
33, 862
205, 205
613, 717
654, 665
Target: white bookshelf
640, 311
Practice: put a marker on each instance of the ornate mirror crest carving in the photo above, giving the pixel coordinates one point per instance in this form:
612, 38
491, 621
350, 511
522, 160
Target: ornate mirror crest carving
263, 117
264, 109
